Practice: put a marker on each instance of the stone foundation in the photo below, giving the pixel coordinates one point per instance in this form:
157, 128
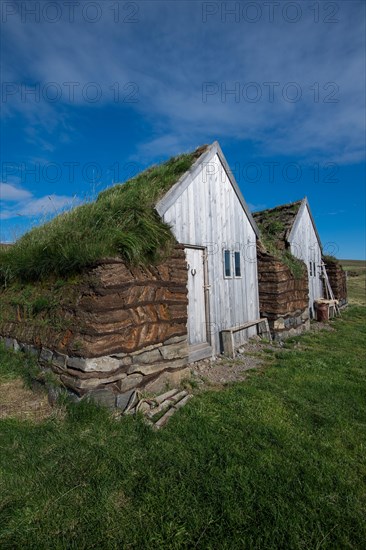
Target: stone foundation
283, 299
292, 325
150, 369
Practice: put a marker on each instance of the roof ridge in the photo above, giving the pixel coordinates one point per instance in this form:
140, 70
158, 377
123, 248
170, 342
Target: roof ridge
286, 205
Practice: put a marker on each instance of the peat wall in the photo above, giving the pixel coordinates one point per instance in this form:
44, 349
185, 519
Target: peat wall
117, 328
283, 298
337, 280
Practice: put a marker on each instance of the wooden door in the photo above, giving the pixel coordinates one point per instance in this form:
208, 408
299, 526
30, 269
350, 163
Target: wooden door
197, 307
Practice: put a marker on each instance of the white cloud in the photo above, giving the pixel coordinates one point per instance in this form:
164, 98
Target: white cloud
9, 192
163, 147
28, 206
256, 207
50, 204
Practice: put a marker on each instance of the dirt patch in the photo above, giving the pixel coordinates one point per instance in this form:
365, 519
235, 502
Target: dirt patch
225, 371
255, 354
17, 401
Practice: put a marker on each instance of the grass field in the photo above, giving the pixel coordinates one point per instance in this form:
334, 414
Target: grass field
356, 283
277, 461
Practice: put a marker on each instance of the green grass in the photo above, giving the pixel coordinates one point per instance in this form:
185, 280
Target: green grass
296, 266
38, 308
17, 365
356, 282
24, 367
273, 226
121, 221
275, 462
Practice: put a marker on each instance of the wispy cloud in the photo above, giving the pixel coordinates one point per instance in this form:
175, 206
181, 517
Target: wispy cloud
332, 213
170, 54
256, 207
19, 202
9, 192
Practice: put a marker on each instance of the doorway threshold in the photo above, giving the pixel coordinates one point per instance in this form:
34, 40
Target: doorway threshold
199, 351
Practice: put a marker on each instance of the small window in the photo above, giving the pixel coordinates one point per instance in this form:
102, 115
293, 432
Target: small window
227, 263
237, 264
314, 269
311, 269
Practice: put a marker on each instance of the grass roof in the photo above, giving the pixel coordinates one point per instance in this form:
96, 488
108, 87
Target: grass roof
275, 225
122, 221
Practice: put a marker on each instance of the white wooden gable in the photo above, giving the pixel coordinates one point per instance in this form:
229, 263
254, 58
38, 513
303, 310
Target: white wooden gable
207, 211
305, 244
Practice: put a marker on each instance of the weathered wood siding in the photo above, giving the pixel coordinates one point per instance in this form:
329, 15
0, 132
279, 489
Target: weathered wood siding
197, 320
208, 213
305, 246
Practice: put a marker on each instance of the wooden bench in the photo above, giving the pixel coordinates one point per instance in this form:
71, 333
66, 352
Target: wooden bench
227, 334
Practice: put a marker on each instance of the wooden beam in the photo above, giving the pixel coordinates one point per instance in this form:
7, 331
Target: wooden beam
227, 335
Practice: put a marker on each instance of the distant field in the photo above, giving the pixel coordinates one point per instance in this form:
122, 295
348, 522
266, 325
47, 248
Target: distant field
356, 282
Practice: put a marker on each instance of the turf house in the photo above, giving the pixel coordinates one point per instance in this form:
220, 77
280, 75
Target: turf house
125, 291
290, 267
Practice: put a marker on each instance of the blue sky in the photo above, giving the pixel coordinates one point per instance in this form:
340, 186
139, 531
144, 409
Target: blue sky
93, 92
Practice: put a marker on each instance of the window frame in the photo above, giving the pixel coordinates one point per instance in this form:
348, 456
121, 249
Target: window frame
227, 253
237, 254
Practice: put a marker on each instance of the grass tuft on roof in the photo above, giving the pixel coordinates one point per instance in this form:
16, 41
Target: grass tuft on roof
122, 221
274, 225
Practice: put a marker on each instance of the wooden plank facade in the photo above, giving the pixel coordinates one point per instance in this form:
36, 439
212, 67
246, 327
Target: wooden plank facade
305, 244
209, 216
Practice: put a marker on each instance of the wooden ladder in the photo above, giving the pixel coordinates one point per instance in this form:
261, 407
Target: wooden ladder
328, 289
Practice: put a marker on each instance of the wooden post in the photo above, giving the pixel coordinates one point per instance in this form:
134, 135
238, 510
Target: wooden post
228, 343
267, 331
